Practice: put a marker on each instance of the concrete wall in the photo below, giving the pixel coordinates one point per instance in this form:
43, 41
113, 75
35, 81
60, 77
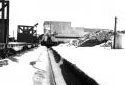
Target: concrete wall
123, 41
119, 42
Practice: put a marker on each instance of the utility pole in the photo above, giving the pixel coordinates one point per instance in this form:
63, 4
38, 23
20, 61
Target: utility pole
115, 33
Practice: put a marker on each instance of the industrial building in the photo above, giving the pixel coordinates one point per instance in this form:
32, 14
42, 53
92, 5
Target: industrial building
64, 32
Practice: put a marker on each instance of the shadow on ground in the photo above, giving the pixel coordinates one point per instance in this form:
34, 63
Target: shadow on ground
13, 59
71, 74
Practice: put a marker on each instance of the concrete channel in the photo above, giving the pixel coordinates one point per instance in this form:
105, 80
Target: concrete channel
52, 69
65, 73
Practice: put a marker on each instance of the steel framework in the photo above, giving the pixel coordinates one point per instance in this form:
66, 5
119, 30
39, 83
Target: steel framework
26, 34
4, 21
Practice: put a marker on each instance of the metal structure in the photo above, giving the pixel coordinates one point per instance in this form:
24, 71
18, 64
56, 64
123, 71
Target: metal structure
27, 34
4, 21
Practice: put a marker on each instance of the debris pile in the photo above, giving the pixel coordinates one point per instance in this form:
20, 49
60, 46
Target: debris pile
107, 44
94, 38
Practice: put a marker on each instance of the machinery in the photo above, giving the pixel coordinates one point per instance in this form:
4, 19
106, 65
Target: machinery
27, 34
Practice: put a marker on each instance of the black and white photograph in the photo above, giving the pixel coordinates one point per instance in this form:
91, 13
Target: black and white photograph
62, 42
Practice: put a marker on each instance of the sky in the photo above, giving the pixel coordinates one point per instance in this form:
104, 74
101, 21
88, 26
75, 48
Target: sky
82, 13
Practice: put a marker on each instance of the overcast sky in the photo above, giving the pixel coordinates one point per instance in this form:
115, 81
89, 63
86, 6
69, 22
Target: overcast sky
82, 13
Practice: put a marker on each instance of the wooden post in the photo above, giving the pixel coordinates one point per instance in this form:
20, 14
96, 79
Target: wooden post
115, 33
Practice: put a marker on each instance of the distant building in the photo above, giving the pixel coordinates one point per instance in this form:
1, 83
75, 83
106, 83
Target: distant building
57, 28
63, 31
